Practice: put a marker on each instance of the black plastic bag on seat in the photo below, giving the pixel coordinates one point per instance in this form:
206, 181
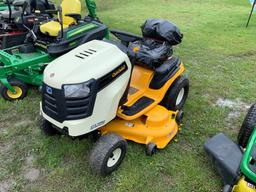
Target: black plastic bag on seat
162, 30
150, 53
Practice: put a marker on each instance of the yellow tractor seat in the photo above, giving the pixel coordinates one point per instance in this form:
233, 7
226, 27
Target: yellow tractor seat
52, 28
68, 7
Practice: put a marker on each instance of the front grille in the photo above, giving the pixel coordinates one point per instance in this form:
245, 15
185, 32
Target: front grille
59, 108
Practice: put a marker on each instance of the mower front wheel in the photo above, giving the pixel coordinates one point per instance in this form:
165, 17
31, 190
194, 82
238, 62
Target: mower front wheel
20, 88
46, 127
107, 154
151, 149
177, 94
247, 127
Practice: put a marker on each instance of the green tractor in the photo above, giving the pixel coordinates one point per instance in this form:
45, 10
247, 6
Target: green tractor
3, 5
236, 163
24, 64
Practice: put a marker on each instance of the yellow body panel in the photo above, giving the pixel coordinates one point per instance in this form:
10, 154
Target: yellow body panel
244, 186
52, 28
140, 81
158, 126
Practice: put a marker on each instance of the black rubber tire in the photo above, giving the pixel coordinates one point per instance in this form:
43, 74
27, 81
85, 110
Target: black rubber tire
95, 135
247, 127
169, 101
103, 150
17, 83
46, 127
227, 188
151, 149
179, 117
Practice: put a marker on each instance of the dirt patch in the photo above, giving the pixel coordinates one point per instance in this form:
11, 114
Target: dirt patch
29, 160
23, 123
32, 174
242, 55
237, 108
5, 186
4, 148
232, 104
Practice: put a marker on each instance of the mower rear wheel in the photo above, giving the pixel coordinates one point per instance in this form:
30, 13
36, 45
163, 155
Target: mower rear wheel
46, 127
107, 154
20, 88
247, 127
177, 94
151, 149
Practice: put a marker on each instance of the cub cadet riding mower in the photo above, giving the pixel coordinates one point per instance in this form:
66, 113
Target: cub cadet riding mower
13, 22
236, 163
24, 64
133, 92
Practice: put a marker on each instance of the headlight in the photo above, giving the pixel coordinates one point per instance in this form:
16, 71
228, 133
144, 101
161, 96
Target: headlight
77, 90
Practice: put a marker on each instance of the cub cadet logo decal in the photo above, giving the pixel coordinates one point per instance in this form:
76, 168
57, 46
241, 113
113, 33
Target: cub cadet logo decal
97, 125
118, 71
49, 90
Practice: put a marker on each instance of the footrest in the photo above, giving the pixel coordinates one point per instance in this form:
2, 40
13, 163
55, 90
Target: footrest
226, 156
138, 106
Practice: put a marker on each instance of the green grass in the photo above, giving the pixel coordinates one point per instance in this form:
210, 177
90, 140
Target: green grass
219, 55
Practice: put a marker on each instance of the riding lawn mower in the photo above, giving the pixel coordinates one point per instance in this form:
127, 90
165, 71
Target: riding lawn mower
236, 163
3, 5
24, 64
14, 21
128, 90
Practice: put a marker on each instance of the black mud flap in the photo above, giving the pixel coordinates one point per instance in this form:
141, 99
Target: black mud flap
226, 156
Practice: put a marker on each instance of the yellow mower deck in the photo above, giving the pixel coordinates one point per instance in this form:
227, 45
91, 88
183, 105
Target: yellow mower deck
158, 126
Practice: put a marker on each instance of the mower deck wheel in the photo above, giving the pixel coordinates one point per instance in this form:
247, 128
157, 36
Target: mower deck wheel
227, 188
107, 154
179, 117
247, 127
151, 149
20, 90
177, 94
46, 127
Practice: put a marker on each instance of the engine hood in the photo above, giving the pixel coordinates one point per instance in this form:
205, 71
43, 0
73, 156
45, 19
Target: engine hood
88, 61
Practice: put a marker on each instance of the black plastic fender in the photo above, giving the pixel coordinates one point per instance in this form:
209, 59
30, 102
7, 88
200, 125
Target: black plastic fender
226, 156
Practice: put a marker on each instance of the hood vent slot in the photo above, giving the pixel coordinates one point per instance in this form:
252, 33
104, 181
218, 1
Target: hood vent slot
86, 53
80, 57
92, 50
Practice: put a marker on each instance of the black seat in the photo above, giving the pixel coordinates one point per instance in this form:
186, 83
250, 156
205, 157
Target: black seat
167, 66
164, 72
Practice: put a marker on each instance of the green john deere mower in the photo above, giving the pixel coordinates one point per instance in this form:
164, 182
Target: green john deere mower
24, 64
3, 5
236, 163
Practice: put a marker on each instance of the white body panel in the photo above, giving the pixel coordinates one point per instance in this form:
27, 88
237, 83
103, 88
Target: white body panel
70, 69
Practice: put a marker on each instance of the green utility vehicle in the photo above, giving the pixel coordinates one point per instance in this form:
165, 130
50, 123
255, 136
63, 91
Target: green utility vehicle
24, 64
236, 163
